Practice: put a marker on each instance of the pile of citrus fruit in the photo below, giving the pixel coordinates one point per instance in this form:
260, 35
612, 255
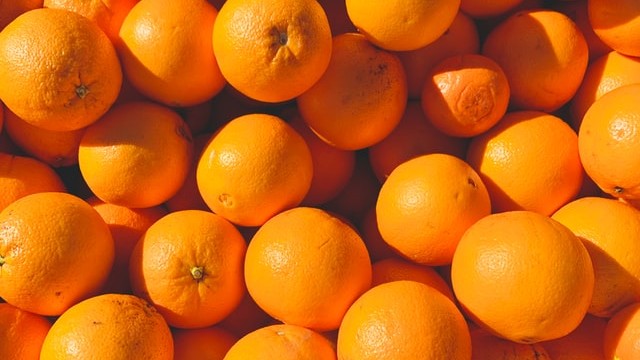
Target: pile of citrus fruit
320, 179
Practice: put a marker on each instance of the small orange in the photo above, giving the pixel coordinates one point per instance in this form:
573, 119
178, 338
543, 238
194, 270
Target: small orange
489, 347
479, 9
108, 14
402, 25
461, 38
394, 269
522, 276
610, 230
608, 140
361, 96
465, 95
528, 161
21, 176
55, 250
617, 23
166, 51
622, 333
305, 267
403, 320
211, 343
137, 155
282, 342
21, 333
271, 50
544, 55
9, 10
127, 225
586, 342
412, 137
427, 203
56, 148
254, 167
188, 265
66, 67
110, 326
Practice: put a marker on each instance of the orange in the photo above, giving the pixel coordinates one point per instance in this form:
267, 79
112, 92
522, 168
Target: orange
544, 55
402, 25
166, 51
609, 230
22, 333
210, 343
305, 267
127, 225
137, 155
188, 265
271, 50
368, 227
608, 142
108, 14
394, 269
66, 67
577, 11
586, 342
528, 161
427, 203
617, 24
487, 9
254, 167
361, 96
465, 95
487, 346
48, 276
332, 167
403, 320
56, 148
110, 326
604, 74
21, 176
188, 197
522, 276
9, 10
622, 333
412, 137
282, 342
460, 38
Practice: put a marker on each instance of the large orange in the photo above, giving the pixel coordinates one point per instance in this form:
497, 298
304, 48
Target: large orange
21, 176
166, 51
58, 70
522, 276
544, 55
282, 342
608, 140
254, 167
189, 265
617, 23
402, 25
211, 343
272, 50
528, 161
622, 333
21, 333
305, 267
55, 250
403, 320
610, 230
395, 269
361, 96
137, 155
110, 326
427, 203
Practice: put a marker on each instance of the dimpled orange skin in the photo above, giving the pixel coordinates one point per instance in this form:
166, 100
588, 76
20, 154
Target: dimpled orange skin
109, 326
361, 96
617, 24
56, 250
58, 70
540, 275
166, 51
254, 167
316, 261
